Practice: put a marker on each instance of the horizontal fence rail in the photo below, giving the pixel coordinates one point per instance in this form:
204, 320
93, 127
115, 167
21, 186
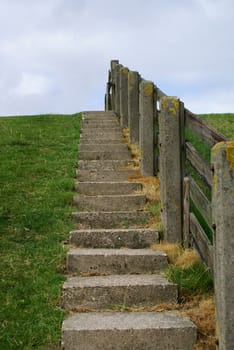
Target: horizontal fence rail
158, 125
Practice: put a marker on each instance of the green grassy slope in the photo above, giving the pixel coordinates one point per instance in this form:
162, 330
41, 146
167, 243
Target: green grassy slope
37, 163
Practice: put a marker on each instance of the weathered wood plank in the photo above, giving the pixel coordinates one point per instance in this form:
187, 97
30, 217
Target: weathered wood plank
204, 131
201, 242
201, 201
198, 163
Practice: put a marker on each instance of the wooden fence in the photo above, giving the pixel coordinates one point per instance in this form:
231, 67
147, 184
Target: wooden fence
162, 127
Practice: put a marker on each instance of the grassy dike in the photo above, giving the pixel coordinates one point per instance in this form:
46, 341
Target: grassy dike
37, 166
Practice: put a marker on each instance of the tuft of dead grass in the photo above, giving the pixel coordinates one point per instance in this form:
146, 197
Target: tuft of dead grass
126, 135
135, 150
178, 256
187, 259
151, 186
173, 251
202, 314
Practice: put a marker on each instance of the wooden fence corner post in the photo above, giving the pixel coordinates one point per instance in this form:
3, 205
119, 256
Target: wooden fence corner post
170, 168
222, 215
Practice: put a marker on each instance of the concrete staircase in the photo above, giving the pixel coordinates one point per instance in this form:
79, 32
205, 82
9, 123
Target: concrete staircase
110, 263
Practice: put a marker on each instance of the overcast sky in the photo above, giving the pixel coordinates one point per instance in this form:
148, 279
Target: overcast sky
55, 54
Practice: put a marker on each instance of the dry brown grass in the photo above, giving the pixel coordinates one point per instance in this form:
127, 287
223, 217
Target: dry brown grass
126, 135
201, 312
151, 186
187, 259
135, 150
173, 251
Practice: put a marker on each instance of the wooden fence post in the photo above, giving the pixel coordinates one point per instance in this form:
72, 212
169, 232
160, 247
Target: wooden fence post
108, 106
133, 106
117, 88
124, 96
113, 82
170, 168
223, 215
146, 107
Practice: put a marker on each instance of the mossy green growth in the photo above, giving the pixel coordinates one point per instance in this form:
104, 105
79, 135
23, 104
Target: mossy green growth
228, 147
171, 104
149, 89
124, 70
230, 154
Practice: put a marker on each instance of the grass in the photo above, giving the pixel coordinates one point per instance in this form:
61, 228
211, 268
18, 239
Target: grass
186, 269
195, 279
224, 123
37, 164
200, 146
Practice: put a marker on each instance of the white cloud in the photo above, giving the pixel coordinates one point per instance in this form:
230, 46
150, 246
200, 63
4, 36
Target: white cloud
32, 84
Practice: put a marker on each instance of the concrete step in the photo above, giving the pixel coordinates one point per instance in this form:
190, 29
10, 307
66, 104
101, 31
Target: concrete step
107, 291
101, 134
96, 165
119, 147
112, 121
98, 114
128, 331
115, 261
104, 175
104, 155
108, 188
89, 141
97, 128
100, 117
99, 124
108, 130
107, 220
110, 202
114, 238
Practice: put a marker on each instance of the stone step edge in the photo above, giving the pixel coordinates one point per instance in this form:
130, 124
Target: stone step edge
107, 188
114, 238
129, 289
109, 196
115, 261
140, 330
